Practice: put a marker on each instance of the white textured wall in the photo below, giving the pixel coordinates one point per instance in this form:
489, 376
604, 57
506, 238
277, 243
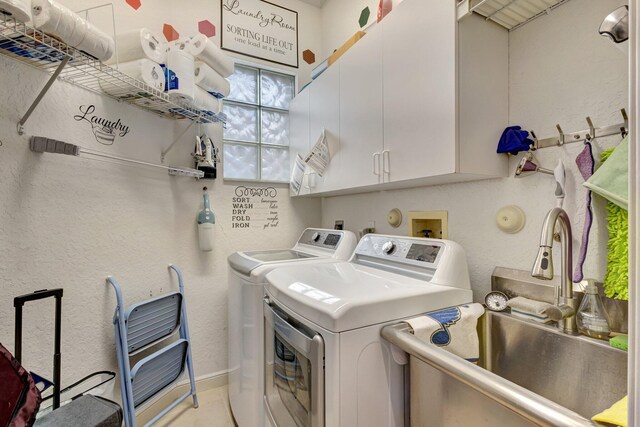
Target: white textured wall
70, 222
340, 21
561, 70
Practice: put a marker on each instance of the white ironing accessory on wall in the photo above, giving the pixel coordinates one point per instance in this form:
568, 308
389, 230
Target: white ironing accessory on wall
206, 221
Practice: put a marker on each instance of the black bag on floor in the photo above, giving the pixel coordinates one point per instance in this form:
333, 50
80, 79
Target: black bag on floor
19, 398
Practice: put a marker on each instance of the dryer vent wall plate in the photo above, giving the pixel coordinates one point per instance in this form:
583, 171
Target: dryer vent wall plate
394, 217
510, 219
433, 224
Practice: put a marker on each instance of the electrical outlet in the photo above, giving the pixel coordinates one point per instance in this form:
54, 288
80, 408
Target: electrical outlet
371, 224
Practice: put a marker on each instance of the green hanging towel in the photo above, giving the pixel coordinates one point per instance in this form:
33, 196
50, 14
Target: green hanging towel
616, 281
611, 180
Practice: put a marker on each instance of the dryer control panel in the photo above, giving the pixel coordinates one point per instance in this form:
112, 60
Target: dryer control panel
405, 250
441, 262
327, 239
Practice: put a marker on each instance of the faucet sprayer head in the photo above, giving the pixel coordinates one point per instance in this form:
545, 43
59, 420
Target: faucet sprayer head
543, 265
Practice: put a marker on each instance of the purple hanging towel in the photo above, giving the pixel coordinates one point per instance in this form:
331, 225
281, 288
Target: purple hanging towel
586, 164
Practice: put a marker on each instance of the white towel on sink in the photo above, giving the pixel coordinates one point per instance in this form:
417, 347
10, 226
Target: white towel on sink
453, 329
529, 309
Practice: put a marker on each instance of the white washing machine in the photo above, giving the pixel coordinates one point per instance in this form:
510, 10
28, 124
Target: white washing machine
325, 362
247, 272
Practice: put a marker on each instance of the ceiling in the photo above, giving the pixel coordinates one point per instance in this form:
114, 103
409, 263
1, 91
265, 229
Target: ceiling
317, 3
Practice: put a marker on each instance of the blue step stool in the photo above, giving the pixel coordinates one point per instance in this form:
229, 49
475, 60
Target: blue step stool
140, 327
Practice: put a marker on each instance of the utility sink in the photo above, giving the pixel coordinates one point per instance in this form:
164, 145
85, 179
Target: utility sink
529, 374
580, 373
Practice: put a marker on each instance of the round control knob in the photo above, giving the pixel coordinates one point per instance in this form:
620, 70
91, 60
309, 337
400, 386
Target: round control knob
315, 237
388, 248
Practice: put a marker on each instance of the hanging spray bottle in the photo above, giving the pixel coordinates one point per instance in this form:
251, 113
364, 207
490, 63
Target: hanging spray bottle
206, 220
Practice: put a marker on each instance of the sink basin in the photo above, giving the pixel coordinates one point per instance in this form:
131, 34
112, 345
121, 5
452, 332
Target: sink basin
528, 374
582, 374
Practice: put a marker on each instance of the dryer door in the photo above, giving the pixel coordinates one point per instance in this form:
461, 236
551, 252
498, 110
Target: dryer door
294, 371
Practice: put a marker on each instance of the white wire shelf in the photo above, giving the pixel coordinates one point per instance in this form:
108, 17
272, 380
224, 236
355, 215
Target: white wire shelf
511, 14
21, 42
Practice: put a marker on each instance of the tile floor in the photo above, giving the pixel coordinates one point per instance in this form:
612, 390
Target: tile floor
213, 411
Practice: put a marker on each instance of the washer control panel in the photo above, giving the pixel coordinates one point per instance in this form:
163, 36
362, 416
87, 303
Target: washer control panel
321, 238
405, 250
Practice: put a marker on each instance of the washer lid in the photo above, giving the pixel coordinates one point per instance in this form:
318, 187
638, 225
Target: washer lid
344, 296
278, 255
244, 262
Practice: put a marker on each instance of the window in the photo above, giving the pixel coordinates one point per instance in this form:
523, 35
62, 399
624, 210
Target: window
256, 139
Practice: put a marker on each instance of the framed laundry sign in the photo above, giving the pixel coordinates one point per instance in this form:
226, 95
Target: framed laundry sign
260, 29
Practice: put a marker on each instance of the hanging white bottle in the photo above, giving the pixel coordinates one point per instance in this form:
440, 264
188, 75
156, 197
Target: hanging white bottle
206, 221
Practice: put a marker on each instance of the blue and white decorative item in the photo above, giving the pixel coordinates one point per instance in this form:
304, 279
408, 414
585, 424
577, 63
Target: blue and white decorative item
453, 329
206, 221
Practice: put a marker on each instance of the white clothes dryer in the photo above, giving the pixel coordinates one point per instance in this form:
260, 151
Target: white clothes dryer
325, 361
247, 271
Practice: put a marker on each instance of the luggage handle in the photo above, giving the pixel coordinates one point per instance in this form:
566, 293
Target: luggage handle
110, 374
18, 303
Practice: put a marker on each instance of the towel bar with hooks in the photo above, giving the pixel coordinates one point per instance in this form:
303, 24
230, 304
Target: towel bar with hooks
592, 133
39, 144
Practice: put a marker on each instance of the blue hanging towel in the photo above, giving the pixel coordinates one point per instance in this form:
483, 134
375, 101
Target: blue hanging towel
514, 140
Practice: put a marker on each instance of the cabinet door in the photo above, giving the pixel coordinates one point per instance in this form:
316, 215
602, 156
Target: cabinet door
361, 115
325, 114
419, 71
299, 131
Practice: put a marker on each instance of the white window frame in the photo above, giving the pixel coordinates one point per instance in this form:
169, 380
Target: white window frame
259, 144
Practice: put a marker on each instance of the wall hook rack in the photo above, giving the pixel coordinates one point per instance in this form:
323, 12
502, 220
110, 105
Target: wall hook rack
590, 134
592, 129
561, 137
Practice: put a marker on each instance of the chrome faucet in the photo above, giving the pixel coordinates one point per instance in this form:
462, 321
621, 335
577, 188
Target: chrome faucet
565, 309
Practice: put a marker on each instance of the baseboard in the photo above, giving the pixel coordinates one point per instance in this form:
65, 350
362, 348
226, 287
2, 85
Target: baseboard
203, 383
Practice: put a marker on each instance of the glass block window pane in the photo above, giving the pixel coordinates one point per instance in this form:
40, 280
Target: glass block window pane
275, 164
244, 85
256, 137
240, 161
242, 122
276, 90
275, 127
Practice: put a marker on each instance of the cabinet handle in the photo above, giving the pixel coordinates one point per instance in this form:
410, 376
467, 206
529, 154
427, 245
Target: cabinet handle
376, 162
386, 163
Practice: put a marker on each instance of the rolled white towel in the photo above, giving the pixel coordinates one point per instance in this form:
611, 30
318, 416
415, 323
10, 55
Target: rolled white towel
211, 81
139, 44
57, 20
203, 100
17, 9
205, 50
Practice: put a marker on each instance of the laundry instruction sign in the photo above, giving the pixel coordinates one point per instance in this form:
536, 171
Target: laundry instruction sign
260, 29
255, 207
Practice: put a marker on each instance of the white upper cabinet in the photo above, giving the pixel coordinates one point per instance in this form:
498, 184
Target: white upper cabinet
361, 112
324, 114
419, 66
299, 132
422, 99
